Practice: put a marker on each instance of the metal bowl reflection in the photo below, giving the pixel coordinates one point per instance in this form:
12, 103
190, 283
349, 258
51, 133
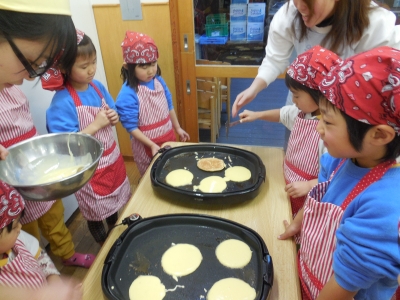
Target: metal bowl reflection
27, 165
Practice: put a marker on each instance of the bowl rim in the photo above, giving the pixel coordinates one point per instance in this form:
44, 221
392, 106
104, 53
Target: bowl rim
50, 135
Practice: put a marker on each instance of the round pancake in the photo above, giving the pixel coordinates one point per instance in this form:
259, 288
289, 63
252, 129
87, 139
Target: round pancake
231, 288
238, 174
211, 164
179, 177
181, 259
147, 287
233, 253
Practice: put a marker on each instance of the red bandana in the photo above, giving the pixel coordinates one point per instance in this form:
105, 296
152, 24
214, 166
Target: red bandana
11, 204
53, 79
366, 87
310, 67
139, 48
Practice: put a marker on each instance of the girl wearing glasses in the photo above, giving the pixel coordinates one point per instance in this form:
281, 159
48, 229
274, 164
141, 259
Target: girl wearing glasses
33, 34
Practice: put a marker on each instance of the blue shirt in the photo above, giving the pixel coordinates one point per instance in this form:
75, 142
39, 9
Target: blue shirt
62, 116
367, 254
127, 103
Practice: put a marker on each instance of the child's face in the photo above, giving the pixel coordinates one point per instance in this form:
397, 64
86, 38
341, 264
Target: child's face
304, 101
7, 239
83, 70
332, 128
145, 73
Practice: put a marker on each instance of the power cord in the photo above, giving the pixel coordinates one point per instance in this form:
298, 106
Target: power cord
126, 221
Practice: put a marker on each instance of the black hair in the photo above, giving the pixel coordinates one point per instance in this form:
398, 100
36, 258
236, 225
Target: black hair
58, 30
297, 86
85, 49
357, 131
128, 74
10, 226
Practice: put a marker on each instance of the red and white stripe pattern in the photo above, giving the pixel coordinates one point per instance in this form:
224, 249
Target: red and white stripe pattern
23, 271
109, 189
16, 125
318, 231
301, 159
154, 121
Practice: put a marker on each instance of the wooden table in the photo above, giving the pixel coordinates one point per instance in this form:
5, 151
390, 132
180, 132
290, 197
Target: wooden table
264, 214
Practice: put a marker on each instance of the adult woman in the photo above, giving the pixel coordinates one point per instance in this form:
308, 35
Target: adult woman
33, 35
344, 27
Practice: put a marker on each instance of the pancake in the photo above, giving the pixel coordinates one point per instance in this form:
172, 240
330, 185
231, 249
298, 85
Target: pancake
238, 174
179, 177
147, 287
231, 288
211, 184
211, 164
233, 254
181, 259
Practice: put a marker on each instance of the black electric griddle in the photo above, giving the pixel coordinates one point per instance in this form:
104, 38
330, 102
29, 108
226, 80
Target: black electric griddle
186, 157
139, 249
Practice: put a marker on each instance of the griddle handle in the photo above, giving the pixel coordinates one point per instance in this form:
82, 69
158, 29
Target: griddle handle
269, 274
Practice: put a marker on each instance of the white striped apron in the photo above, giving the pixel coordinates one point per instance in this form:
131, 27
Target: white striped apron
154, 122
301, 159
318, 231
109, 189
16, 125
23, 271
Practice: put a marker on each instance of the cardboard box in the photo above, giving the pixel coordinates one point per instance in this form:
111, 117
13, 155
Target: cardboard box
256, 12
238, 12
255, 31
238, 31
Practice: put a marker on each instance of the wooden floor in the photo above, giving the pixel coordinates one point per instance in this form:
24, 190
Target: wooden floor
83, 240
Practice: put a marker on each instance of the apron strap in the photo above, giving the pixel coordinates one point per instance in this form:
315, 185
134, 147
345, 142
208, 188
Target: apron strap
75, 96
372, 176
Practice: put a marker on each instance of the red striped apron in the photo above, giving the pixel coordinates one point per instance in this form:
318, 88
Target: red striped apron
109, 189
318, 231
154, 122
301, 159
16, 125
23, 271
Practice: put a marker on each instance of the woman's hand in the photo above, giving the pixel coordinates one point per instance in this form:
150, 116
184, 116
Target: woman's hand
242, 99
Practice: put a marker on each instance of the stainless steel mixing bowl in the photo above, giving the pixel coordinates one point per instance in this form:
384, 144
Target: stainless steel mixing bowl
25, 155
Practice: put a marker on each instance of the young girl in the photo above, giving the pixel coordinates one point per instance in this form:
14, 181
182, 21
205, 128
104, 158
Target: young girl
144, 102
22, 262
344, 27
84, 105
46, 217
349, 236
301, 165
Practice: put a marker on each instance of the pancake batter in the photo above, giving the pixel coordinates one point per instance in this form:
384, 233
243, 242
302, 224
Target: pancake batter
181, 260
211, 184
232, 289
179, 177
233, 254
238, 174
147, 287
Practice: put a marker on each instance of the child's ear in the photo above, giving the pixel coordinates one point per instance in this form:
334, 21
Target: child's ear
381, 134
125, 66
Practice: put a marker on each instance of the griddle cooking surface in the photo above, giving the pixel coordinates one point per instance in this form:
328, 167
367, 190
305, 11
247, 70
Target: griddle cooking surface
186, 157
140, 250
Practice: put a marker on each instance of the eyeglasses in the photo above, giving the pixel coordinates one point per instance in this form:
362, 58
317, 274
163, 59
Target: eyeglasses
32, 72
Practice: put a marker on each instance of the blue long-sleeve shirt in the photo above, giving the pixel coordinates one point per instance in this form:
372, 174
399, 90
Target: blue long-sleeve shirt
127, 103
62, 116
367, 254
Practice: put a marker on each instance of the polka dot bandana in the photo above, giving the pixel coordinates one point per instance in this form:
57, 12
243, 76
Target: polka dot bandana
310, 67
366, 87
11, 204
139, 48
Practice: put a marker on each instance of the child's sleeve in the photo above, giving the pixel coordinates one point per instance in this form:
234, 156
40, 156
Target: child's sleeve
288, 114
44, 261
168, 94
127, 105
61, 116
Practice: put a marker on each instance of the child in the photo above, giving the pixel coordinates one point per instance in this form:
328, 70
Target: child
84, 105
349, 237
16, 125
301, 163
144, 102
22, 262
